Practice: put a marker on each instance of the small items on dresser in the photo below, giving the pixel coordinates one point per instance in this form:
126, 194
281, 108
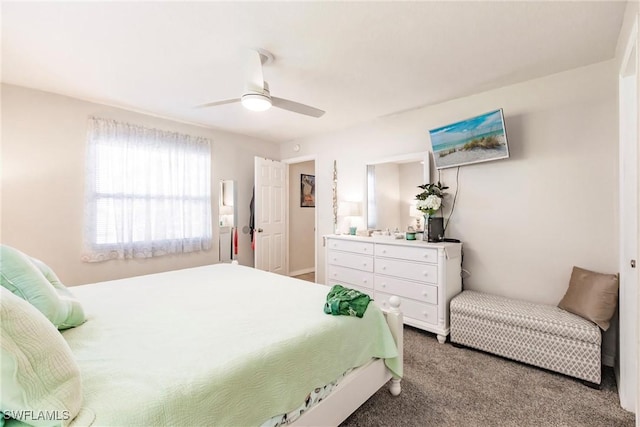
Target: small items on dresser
410, 234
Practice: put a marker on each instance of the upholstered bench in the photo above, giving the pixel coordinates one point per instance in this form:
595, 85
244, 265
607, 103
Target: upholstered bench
541, 335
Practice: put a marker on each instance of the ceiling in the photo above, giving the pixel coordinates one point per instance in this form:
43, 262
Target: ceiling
356, 60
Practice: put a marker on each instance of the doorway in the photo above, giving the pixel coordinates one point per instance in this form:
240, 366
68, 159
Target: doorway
302, 218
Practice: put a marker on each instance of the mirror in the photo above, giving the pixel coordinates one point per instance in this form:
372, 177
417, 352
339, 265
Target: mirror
227, 215
392, 185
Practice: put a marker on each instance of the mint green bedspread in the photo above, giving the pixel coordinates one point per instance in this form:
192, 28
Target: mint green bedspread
221, 345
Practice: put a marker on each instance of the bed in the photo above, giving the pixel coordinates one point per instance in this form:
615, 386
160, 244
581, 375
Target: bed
226, 345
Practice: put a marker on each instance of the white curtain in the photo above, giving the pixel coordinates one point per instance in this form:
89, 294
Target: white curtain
148, 192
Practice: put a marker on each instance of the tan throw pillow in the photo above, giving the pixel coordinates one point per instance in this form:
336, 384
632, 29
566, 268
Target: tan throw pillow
591, 295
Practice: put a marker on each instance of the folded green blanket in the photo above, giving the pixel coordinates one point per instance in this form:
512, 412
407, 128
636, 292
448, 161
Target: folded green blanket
346, 302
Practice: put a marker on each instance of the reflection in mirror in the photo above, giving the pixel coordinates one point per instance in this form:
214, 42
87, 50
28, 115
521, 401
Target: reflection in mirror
392, 185
227, 216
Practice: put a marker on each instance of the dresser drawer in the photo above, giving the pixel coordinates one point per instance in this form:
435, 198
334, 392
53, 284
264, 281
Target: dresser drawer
427, 273
346, 259
404, 288
415, 253
365, 248
349, 276
410, 308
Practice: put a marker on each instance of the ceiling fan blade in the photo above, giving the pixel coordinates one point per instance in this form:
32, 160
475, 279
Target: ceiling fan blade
255, 78
213, 104
296, 107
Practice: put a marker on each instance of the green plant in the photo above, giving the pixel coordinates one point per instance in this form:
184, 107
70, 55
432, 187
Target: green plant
430, 200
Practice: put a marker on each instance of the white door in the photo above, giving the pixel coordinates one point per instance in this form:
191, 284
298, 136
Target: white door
270, 209
628, 310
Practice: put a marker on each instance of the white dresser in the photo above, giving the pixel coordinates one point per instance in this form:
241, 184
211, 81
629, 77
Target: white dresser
424, 275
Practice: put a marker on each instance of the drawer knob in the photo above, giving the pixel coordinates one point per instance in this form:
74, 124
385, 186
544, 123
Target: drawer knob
384, 267
426, 255
384, 285
364, 264
425, 314
384, 251
365, 249
425, 293
425, 274
364, 281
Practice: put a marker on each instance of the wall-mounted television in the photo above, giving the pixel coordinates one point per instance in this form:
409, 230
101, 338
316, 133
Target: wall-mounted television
478, 139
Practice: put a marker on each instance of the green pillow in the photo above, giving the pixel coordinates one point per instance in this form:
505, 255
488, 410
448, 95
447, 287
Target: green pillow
35, 282
75, 316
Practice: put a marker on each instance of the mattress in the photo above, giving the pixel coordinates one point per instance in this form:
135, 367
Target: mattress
214, 345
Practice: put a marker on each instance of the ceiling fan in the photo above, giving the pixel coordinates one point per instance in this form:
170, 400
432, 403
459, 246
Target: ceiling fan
256, 96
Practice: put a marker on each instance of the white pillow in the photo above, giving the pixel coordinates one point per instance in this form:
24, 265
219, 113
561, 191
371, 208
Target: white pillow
40, 377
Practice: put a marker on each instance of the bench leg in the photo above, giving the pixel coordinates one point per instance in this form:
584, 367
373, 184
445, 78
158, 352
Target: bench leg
591, 385
441, 338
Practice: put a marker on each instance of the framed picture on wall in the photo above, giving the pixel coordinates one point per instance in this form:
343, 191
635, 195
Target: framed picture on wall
307, 191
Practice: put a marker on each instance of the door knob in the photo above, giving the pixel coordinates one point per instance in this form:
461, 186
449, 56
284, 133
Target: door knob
633, 263
260, 230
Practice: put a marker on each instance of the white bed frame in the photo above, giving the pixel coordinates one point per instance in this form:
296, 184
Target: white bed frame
360, 384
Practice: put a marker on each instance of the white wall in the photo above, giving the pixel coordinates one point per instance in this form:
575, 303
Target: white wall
527, 220
43, 149
301, 223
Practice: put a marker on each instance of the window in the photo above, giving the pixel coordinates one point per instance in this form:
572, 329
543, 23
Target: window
148, 192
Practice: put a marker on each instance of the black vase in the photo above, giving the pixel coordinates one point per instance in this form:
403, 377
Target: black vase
435, 229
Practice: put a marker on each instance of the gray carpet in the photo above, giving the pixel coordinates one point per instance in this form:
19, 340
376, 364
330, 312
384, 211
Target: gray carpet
448, 386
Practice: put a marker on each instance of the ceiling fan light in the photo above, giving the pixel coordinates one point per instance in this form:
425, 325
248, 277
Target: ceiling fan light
256, 102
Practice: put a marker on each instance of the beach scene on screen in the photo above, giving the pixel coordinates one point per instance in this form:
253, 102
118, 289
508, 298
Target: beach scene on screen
477, 139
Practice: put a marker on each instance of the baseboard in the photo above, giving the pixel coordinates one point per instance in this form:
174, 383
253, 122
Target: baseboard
302, 271
608, 360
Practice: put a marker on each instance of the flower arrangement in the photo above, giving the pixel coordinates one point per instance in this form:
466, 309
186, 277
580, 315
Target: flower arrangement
430, 200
